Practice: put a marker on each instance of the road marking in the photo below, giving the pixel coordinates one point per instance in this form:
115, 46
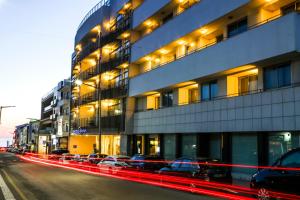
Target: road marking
20, 193
5, 190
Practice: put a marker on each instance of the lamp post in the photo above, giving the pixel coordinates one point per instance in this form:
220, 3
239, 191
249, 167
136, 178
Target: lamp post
2, 107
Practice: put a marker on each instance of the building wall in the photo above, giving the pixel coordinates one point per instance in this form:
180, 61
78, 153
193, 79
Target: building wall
83, 144
276, 110
272, 39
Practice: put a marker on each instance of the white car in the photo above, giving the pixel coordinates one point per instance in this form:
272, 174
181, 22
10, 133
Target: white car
113, 164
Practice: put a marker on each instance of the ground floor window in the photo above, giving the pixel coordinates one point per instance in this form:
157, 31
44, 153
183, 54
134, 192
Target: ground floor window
189, 145
170, 146
279, 143
110, 144
215, 146
154, 145
244, 151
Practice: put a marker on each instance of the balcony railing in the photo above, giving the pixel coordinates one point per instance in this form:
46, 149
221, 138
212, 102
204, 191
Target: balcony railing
297, 9
89, 73
88, 98
114, 92
113, 123
121, 57
85, 123
222, 97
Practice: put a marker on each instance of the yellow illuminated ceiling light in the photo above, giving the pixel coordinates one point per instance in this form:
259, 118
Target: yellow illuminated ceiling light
148, 58
181, 42
125, 35
125, 65
149, 23
163, 51
78, 47
107, 76
203, 31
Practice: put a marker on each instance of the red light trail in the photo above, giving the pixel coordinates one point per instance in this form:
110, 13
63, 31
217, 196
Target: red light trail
193, 185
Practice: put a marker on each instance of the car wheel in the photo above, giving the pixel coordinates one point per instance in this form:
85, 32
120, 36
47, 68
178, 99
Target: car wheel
263, 194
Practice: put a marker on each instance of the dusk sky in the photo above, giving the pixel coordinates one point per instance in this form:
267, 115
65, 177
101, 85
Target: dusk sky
37, 38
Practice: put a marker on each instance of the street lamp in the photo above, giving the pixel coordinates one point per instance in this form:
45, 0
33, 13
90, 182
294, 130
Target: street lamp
1, 107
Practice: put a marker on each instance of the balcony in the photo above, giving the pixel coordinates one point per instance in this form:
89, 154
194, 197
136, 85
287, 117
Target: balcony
263, 41
85, 123
117, 29
121, 57
88, 98
89, 73
146, 10
198, 15
115, 92
113, 123
271, 110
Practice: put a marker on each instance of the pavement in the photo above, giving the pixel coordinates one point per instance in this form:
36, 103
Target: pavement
28, 181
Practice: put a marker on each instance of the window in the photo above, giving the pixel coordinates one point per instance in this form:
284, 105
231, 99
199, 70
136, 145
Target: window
209, 91
237, 27
193, 95
167, 99
291, 160
247, 84
277, 77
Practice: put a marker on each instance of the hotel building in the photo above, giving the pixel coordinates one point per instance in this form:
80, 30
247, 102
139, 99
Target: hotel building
205, 78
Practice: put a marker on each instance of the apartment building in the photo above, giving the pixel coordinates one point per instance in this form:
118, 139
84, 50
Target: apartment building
214, 78
62, 112
100, 78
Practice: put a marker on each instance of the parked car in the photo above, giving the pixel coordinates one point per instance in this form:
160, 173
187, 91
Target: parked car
66, 158
56, 154
79, 158
148, 163
113, 164
278, 179
197, 168
95, 158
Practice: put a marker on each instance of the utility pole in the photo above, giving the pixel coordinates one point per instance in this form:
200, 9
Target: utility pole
2, 107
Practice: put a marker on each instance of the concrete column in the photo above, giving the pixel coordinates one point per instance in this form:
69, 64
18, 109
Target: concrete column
176, 96
260, 79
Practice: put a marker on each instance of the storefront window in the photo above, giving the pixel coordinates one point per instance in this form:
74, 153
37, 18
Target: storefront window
170, 147
110, 144
154, 145
189, 145
279, 143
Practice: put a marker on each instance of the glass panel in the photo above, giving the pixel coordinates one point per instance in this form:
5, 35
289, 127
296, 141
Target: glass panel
170, 147
244, 85
237, 27
167, 99
154, 145
279, 144
253, 83
244, 151
205, 92
189, 145
213, 90
193, 95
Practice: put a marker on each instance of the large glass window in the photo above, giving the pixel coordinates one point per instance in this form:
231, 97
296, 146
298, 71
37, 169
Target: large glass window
170, 147
237, 27
167, 99
247, 84
277, 77
209, 91
154, 145
189, 145
279, 143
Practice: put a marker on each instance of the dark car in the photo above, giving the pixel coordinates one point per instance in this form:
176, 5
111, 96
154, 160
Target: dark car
148, 163
279, 178
197, 168
57, 153
95, 158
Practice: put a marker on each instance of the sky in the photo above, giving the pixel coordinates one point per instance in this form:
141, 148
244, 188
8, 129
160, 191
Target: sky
37, 40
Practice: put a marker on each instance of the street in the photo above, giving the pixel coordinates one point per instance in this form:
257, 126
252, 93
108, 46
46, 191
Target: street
28, 181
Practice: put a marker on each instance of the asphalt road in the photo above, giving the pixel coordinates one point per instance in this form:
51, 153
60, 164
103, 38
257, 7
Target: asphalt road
28, 181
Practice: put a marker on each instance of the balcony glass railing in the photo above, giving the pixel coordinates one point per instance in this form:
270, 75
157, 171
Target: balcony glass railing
175, 58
